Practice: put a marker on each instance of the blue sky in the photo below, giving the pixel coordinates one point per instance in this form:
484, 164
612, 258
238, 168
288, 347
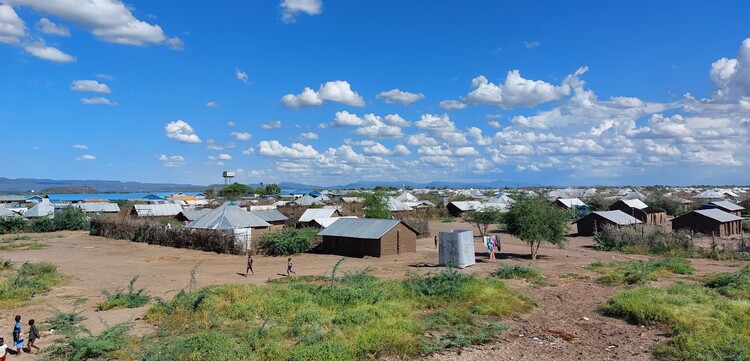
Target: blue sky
329, 92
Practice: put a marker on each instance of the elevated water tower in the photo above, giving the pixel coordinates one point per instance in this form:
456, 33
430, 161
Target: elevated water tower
228, 175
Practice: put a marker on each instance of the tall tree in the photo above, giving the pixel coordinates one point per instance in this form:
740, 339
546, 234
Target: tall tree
483, 218
273, 188
376, 205
535, 220
234, 191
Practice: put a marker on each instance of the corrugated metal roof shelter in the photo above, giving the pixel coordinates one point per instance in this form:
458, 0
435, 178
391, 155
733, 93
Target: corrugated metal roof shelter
191, 215
728, 207
359, 237
325, 222
308, 200
569, 203
270, 215
312, 213
407, 197
396, 206
156, 210
68, 198
595, 221
5, 212
45, 208
456, 208
98, 207
228, 216
709, 222
12, 199
632, 203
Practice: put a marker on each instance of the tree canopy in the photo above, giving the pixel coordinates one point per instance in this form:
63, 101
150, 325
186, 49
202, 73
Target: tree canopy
535, 220
376, 206
234, 191
483, 218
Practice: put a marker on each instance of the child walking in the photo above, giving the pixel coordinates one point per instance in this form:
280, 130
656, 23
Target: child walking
289, 266
249, 264
17, 335
33, 335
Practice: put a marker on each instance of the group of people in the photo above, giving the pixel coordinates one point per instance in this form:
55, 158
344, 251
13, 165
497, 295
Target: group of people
289, 266
19, 346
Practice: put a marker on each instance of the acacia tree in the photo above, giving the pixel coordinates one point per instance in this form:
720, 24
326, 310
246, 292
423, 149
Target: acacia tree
376, 206
483, 218
234, 191
534, 220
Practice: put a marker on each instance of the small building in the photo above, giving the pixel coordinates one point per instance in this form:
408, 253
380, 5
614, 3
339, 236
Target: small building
456, 209
687, 205
359, 237
725, 206
712, 222
595, 221
569, 203
457, 249
325, 222
231, 217
191, 215
397, 206
100, 207
305, 220
275, 218
45, 208
156, 210
640, 210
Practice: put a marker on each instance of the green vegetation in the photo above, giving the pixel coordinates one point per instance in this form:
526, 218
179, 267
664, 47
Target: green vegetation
67, 219
483, 218
131, 298
705, 324
356, 316
639, 272
534, 221
287, 241
79, 344
15, 243
12, 224
527, 273
733, 285
234, 191
19, 286
376, 205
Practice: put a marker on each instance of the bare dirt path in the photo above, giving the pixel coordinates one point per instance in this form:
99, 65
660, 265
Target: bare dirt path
564, 326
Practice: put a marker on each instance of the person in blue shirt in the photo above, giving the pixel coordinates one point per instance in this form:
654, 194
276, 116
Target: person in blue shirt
17, 335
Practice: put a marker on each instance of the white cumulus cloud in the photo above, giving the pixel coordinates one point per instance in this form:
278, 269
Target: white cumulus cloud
86, 157
297, 151
91, 86
291, 8
399, 96
241, 76
96, 100
338, 91
12, 28
212, 104
273, 124
51, 53
452, 105
181, 131
241, 135
80, 146
48, 27
517, 92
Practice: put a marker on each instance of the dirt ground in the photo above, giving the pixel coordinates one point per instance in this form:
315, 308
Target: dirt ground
564, 326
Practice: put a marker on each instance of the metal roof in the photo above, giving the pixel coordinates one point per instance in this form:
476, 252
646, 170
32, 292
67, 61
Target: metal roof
157, 210
635, 203
326, 222
407, 197
98, 207
617, 217
367, 228
91, 196
718, 214
13, 198
352, 199
728, 205
396, 206
5, 212
42, 209
228, 216
307, 200
312, 213
571, 202
467, 205
270, 215
195, 214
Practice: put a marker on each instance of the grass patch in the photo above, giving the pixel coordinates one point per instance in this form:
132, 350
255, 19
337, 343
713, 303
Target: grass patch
733, 285
130, 298
705, 324
19, 286
528, 273
575, 276
639, 272
22, 246
79, 344
356, 316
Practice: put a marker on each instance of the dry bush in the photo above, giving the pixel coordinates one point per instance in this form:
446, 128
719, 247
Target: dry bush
219, 241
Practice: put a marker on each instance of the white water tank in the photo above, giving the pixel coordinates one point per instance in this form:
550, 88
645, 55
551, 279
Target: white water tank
457, 249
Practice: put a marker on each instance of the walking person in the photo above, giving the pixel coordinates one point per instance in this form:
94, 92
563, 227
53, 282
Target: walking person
17, 335
3, 349
249, 264
33, 335
289, 266
436, 241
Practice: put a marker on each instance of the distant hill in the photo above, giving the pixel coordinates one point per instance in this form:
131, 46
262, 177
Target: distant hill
27, 185
71, 189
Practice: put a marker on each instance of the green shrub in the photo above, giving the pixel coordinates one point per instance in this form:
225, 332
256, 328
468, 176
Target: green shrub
66, 323
733, 285
42, 224
12, 224
639, 272
111, 344
124, 299
287, 241
528, 273
705, 325
647, 240
17, 287
71, 219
